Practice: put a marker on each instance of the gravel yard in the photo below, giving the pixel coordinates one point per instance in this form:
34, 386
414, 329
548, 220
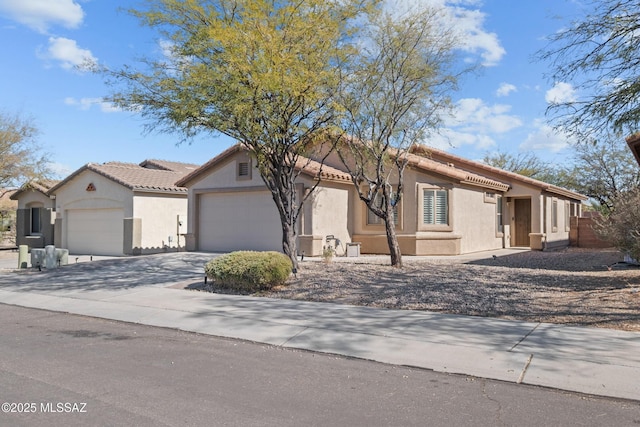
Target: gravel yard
573, 286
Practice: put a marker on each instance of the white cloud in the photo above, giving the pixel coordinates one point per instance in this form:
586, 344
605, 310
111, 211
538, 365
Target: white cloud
545, 138
474, 38
88, 103
473, 115
560, 93
39, 15
465, 17
505, 89
474, 123
67, 53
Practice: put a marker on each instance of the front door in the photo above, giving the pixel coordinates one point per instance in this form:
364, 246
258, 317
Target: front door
522, 222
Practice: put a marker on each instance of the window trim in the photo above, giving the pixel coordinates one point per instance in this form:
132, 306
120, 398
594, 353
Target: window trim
499, 215
31, 217
420, 205
554, 215
380, 225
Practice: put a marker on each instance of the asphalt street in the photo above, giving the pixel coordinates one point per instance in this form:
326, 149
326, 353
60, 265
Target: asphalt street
59, 369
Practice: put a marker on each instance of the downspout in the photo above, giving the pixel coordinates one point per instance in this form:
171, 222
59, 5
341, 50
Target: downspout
544, 222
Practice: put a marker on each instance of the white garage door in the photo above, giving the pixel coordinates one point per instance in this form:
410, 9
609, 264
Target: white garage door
239, 221
95, 231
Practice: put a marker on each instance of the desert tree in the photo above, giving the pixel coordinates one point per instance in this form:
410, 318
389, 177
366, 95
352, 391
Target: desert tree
603, 169
394, 89
599, 54
21, 157
621, 226
262, 72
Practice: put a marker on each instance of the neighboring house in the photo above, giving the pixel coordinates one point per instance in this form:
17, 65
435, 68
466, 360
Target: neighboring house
119, 208
450, 206
35, 215
634, 144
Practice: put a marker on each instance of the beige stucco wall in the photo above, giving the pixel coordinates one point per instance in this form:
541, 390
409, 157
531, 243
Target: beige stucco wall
159, 215
74, 195
33, 197
325, 212
107, 195
472, 221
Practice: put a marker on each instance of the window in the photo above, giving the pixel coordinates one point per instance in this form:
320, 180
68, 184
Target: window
499, 224
36, 220
373, 219
435, 207
554, 215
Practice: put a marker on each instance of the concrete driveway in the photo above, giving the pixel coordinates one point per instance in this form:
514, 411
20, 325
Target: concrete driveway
106, 273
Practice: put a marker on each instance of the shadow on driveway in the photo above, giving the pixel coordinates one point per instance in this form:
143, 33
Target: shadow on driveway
111, 274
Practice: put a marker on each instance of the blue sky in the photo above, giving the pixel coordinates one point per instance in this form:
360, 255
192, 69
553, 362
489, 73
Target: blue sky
500, 109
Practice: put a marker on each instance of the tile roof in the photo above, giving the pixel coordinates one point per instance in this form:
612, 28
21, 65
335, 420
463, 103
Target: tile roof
149, 176
451, 171
307, 166
444, 157
42, 186
185, 168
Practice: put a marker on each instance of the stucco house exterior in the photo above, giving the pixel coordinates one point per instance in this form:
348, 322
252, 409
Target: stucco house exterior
36, 215
230, 207
536, 214
119, 208
450, 206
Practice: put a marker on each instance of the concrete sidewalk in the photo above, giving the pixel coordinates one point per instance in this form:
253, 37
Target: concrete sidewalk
588, 360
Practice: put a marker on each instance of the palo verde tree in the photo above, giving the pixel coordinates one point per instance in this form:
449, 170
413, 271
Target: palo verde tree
260, 71
21, 159
599, 54
394, 89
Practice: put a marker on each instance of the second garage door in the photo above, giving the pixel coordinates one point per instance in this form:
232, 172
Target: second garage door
238, 221
95, 231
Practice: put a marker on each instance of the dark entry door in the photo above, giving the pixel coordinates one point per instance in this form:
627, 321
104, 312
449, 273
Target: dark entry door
523, 222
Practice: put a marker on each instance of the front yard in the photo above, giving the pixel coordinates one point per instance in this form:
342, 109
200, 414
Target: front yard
573, 286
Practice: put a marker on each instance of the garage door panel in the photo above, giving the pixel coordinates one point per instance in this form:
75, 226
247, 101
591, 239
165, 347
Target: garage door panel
244, 221
95, 231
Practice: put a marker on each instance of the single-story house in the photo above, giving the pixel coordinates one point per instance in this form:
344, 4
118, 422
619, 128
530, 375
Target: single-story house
35, 215
634, 144
119, 208
450, 206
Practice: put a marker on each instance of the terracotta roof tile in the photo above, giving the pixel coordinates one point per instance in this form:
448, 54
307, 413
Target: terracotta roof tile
150, 175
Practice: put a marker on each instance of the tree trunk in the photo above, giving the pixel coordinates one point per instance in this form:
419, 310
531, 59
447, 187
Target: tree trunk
392, 240
289, 245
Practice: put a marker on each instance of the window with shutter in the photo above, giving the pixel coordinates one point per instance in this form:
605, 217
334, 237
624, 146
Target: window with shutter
434, 208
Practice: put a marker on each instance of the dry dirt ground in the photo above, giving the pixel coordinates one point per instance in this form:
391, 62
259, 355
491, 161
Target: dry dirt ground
572, 286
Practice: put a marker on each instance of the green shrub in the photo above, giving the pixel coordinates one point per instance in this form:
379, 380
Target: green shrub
249, 271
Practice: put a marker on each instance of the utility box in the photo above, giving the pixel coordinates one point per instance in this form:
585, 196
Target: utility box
353, 249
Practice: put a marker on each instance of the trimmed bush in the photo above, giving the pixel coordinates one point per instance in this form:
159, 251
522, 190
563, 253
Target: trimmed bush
249, 271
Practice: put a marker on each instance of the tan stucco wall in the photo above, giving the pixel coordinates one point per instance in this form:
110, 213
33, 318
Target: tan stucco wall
159, 216
107, 194
472, 221
325, 212
74, 195
27, 198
